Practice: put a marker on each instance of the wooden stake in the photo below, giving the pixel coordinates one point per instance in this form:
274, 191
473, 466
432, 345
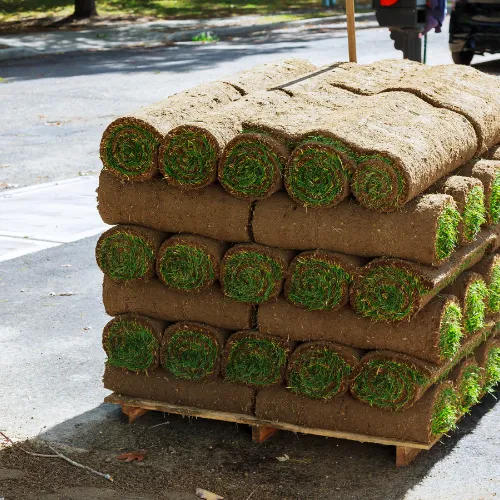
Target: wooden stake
351, 31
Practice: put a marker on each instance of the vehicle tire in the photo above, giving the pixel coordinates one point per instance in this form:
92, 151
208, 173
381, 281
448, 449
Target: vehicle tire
464, 57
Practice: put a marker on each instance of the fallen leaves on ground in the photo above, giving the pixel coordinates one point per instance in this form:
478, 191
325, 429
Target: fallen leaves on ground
132, 455
207, 495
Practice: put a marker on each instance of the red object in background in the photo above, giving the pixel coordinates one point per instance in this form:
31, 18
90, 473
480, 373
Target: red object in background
387, 3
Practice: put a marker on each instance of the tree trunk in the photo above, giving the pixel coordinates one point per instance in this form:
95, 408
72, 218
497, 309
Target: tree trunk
85, 8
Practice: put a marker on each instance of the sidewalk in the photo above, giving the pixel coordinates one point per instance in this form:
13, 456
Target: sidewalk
156, 33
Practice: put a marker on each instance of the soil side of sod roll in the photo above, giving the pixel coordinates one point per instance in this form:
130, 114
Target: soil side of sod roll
425, 230
321, 370
421, 423
320, 280
494, 153
160, 386
132, 342
155, 300
189, 262
433, 335
253, 273
255, 359
212, 212
192, 351
127, 252
489, 269
395, 290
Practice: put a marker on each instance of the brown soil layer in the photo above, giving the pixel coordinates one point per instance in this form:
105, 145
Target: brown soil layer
345, 414
495, 244
155, 300
213, 249
485, 267
418, 337
494, 153
151, 237
430, 280
481, 353
409, 233
212, 212
159, 386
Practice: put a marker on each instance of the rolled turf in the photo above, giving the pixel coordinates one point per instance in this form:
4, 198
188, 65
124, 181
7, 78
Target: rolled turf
397, 154
352, 229
468, 194
129, 146
190, 263
395, 381
255, 359
192, 351
488, 358
430, 417
155, 300
132, 342
212, 212
318, 280
433, 335
488, 172
253, 273
494, 153
489, 269
321, 370
212, 394
395, 290
126, 252
472, 293
468, 378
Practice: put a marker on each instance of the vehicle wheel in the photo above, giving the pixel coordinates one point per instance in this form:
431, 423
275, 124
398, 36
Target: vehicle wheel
464, 57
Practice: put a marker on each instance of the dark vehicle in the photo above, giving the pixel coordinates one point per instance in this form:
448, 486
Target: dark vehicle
474, 29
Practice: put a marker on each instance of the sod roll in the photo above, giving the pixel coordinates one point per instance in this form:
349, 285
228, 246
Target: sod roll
319, 280
468, 194
212, 212
192, 351
132, 342
161, 386
468, 379
126, 252
489, 269
488, 172
433, 335
488, 358
425, 230
430, 417
471, 291
395, 290
253, 273
129, 146
255, 359
494, 153
190, 263
155, 300
321, 370
394, 381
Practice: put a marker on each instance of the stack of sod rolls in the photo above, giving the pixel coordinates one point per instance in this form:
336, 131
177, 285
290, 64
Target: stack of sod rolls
308, 246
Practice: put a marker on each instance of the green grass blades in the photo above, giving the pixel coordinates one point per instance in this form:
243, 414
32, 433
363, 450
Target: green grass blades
387, 384
492, 369
318, 372
316, 175
475, 306
124, 256
252, 167
494, 288
473, 216
130, 344
450, 331
130, 150
317, 282
256, 361
445, 413
191, 353
378, 185
494, 202
188, 158
251, 277
470, 387
387, 293
447, 232
186, 267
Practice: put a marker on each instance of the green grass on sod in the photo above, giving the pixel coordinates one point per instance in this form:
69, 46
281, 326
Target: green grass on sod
494, 289
494, 205
447, 232
474, 213
470, 388
450, 332
445, 413
492, 369
475, 307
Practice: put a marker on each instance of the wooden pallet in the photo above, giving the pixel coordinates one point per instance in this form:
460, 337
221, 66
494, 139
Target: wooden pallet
262, 430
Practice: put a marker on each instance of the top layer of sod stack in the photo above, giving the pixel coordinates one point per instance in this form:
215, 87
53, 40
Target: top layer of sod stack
129, 146
392, 139
395, 290
462, 89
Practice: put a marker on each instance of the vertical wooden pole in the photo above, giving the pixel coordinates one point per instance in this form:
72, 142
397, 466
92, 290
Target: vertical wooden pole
351, 31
